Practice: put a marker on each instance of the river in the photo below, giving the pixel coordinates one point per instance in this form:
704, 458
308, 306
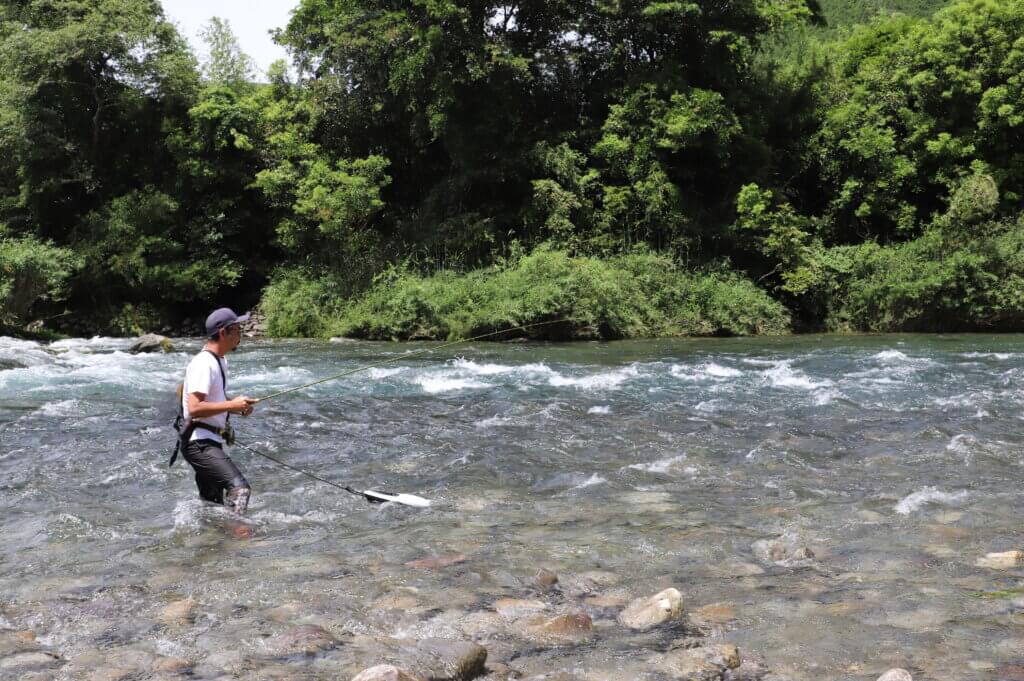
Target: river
821, 501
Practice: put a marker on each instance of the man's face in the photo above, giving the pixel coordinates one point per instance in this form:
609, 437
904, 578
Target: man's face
232, 336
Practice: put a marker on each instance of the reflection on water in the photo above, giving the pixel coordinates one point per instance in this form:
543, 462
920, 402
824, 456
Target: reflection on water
832, 493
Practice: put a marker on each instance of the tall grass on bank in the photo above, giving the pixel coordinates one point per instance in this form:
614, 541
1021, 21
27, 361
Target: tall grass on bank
631, 296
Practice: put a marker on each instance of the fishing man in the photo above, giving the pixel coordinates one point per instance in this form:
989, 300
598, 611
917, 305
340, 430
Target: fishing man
205, 410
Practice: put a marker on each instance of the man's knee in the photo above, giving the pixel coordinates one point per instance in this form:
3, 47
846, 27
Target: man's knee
238, 495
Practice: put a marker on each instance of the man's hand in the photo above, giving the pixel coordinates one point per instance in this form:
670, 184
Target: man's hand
242, 406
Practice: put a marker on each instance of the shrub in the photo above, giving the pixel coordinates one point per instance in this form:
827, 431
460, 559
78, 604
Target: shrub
637, 295
30, 271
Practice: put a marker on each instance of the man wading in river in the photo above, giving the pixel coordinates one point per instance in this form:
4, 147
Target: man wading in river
203, 425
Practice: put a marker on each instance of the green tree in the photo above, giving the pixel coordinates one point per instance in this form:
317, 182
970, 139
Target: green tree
225, 62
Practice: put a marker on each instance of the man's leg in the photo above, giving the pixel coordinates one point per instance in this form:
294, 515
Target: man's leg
215, 472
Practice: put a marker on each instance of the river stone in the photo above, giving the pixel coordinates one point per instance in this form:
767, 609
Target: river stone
443, 660
151, 342
657, 609
436, 562
701, 664
896, 675
591, 582
714, 613
306, 639
573, 624
514, 607
545, 578
783, 551
385, 672
179, 613
29, 660
1006, 560
749, 670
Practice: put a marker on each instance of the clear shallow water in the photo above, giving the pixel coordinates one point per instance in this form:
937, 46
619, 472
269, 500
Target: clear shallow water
896, 460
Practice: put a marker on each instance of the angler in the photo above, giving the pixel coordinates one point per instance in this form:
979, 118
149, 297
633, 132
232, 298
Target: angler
203, 423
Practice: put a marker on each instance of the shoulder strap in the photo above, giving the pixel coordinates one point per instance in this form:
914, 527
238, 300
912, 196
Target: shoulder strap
223, 376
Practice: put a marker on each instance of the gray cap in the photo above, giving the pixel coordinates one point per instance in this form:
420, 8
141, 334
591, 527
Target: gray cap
222, 318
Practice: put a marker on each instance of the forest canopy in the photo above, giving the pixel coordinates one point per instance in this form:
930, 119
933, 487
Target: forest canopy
757, 166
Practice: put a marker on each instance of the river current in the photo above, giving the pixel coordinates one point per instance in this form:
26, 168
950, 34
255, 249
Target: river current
828, 497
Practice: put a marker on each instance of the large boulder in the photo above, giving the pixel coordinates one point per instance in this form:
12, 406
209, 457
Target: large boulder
662, 607
151, 342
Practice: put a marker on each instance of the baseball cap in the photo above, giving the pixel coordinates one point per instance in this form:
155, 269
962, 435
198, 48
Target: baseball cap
222, 318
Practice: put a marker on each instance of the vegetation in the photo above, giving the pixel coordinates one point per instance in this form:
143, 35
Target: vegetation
444, 168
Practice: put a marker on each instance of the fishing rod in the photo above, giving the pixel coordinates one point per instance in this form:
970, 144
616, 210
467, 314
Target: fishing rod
374, 496
405, 356
370, 495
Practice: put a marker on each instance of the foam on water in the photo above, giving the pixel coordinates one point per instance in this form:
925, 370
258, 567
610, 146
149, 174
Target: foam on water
608, 380
60, 408
492, 421
604, 409
660, 466
706, 371
926, 495
445, 384
783, 375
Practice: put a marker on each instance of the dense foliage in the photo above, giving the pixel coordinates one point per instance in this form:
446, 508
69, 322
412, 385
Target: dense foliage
435, 168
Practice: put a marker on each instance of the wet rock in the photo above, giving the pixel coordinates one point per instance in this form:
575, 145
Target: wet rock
563, 629
749, 670
179, 613
896, 675
436, 562
783, 551
443, 660
708, 663
714, 613
29, 661
171, 664
588, 583
1006, 560
644, 613
545, 578
151, 342
514, 607
306, 639
385, 672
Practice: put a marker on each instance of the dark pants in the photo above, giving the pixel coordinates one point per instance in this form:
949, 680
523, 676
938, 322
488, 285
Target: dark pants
217, 473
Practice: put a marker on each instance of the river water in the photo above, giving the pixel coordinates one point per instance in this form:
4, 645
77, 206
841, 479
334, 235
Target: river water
827, 496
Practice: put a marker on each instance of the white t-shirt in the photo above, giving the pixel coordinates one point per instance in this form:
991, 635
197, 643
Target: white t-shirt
203, 376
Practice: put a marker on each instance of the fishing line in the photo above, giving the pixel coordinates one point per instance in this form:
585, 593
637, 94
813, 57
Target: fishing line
406, 356
369, 495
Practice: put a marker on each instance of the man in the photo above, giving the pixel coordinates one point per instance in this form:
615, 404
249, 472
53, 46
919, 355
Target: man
206, 407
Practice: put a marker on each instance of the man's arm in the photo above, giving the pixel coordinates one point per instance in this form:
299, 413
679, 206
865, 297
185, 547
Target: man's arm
198, 407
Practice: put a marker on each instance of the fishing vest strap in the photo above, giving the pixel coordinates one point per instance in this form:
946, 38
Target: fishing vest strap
186, 427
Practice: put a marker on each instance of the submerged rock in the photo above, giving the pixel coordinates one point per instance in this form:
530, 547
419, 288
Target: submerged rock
662, 607
385, 672
436, 562
306, 639
706, 663
896, 675
567, 628
514, 607
1007, 560
151, 342
443, 660
783, 551
179, 613
21, 654
545, 578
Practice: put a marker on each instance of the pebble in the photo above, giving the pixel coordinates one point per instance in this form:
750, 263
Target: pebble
179, 613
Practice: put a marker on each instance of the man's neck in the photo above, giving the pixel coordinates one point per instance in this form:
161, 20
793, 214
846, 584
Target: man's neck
215, 348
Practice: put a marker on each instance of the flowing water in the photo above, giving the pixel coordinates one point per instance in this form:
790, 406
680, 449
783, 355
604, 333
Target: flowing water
879, 468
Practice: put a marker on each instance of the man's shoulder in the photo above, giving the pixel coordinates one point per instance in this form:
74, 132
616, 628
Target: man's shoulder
205, 359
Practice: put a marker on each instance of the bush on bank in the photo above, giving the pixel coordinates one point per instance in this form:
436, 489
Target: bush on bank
631, 296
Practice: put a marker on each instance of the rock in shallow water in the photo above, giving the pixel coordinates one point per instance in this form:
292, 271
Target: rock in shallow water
1007, 560
704, 663
385, 672
152, 342
307, 639
443, 660
662, 607
896, 675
